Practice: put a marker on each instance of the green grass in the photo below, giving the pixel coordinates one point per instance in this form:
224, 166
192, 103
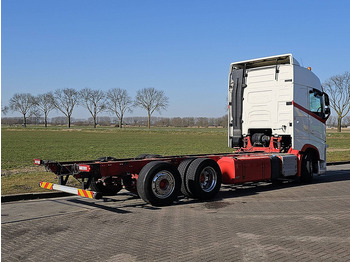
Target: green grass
27, 182
338, 146
20, 146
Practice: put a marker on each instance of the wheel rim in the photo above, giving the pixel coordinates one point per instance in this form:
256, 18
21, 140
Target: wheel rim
163, 184
208, 179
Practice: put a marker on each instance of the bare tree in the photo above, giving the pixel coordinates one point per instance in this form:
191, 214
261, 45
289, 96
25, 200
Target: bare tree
4, 110
65, 101
151, 100
118, 102
338, 88
93, 100
35, 115
45, 103
22, 103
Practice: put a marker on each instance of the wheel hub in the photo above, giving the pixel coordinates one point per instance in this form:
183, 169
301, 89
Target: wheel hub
163, 184
208, 179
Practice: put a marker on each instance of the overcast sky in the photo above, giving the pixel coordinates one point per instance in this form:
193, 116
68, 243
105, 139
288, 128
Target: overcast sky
181, 47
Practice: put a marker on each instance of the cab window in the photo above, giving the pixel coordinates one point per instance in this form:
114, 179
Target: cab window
316, 103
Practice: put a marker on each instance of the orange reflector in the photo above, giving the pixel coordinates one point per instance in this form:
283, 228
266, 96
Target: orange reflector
309, 68
71, 190
85, 193
46, 185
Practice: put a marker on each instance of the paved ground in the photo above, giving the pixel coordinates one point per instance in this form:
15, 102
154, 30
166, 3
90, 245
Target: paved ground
245, 223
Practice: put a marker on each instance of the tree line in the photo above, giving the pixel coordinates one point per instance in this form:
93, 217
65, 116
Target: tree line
333, 122
103, 120
116, 101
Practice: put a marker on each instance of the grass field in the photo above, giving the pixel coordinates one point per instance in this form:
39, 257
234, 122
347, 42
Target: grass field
20, 146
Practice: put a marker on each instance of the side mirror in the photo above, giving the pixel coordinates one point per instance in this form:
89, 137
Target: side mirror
327, 112
326, 100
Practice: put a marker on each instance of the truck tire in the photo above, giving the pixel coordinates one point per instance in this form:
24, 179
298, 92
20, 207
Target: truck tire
182, 168
204, 178
159, 183
307, 170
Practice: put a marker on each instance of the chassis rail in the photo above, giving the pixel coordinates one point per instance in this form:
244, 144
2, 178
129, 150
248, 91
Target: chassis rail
158, 180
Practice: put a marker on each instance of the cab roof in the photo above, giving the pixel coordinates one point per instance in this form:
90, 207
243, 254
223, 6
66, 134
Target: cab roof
266, 61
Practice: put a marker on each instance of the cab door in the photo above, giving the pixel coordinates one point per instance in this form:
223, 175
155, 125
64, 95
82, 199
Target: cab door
317, 119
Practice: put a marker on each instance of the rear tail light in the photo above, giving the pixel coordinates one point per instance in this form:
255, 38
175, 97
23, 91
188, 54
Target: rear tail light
37, 162
84, 168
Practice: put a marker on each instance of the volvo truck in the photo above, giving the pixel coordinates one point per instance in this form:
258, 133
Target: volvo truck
277, 112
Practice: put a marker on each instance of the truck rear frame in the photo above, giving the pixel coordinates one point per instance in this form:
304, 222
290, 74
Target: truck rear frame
159, 180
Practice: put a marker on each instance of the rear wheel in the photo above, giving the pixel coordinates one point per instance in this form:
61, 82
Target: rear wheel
204, 178
183, 167
307, 168
159, 183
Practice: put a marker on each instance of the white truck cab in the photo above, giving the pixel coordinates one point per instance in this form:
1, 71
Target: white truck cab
274, 98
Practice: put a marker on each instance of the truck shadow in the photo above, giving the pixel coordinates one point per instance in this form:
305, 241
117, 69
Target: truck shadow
98, 205
248, 189
226, 192
101, 204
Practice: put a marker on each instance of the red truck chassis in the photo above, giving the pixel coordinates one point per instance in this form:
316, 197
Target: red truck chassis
159, 180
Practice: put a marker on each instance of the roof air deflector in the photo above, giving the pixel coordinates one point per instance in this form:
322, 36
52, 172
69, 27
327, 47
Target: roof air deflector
267, 61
